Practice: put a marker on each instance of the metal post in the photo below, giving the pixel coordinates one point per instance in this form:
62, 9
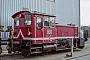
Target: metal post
0, 39
72, 47
1, 29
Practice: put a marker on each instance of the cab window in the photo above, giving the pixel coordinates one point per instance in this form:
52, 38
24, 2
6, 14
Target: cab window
16, 21
52, 21
38, 22
27, 19
46, 21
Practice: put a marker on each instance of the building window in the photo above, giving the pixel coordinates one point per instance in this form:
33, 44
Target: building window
38, 22
27, 19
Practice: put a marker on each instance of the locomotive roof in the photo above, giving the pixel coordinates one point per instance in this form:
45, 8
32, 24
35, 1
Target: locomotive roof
65, 25
37, 13
17, 13
40, 13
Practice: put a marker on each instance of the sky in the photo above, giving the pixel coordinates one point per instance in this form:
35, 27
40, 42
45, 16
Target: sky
85, 12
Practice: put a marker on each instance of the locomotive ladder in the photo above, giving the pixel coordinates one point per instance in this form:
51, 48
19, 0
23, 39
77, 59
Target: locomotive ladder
32, 49
38, 48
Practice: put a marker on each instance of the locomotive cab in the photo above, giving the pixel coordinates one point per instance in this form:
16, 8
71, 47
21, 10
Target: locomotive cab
45, 28
34, 31
38, 27
22, 24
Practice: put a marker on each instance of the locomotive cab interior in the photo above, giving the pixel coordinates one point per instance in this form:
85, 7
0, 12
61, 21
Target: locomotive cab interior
43, 20
49, 21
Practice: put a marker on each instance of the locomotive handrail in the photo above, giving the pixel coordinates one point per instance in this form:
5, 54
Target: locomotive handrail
47, 38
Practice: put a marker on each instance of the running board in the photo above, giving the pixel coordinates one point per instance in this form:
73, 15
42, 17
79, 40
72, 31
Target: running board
36, 47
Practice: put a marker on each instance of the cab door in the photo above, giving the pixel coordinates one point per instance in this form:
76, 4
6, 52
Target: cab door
49, 29
39, 23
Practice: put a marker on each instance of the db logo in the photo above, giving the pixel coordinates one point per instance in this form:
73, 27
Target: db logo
49, 31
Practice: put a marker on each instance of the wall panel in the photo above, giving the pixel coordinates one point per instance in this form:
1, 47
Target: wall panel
67, 11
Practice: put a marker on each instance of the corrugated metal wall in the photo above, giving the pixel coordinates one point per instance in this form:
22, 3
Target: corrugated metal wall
67, 11
0, 11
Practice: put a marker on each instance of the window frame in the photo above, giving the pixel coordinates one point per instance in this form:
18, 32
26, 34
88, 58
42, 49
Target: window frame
40, 24
15, 21
53, 22
28, 18
44, 21
49, 21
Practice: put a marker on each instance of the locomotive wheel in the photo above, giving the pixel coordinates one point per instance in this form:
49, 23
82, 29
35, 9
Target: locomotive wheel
42, 53
81, 47
0, 50
9, 52
14, 49
26, 53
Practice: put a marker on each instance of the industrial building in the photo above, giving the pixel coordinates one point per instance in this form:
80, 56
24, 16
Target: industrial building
66, 11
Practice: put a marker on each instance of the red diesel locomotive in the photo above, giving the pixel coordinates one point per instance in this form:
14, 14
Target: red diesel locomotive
38, 33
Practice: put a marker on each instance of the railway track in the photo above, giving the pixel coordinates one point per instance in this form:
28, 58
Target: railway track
19, 56
11, 56
78, 56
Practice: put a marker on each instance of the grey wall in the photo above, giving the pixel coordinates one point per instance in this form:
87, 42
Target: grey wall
67, 11
0, 11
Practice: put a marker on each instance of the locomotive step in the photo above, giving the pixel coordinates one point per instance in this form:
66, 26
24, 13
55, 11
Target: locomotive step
38, 43
36, 47
60, 49
36, 52
67, 48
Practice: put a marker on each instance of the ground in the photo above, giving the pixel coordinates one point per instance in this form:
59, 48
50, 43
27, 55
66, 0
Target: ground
79, 54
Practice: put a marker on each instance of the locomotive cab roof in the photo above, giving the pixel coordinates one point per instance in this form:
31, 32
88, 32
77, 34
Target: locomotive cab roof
28, 12
43, 14
20, 12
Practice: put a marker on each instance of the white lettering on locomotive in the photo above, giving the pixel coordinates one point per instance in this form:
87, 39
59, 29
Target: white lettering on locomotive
49, 31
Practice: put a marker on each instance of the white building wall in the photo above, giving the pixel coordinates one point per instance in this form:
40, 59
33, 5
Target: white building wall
67, 11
